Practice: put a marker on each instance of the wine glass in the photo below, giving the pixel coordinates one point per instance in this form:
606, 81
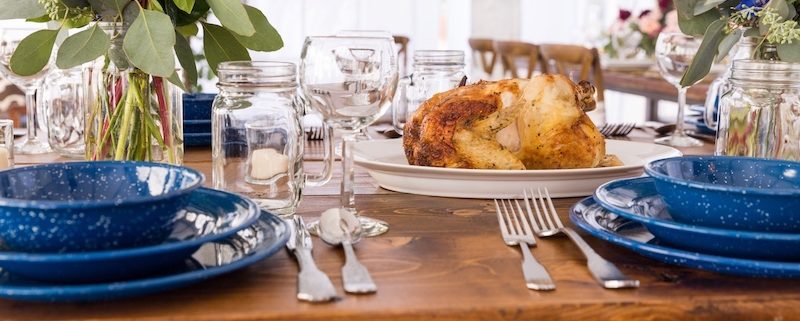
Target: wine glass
32, 143
351, 81
674, 54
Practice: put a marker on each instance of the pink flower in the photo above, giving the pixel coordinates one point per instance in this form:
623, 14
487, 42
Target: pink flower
650, 24
671, 23
624, 14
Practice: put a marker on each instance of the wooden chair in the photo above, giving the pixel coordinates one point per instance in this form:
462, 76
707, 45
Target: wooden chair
402, 52
512, 51
566, 58
484, 49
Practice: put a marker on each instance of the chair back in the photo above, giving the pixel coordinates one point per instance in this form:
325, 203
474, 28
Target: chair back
513, 51
402, 52
566, 58
484, 49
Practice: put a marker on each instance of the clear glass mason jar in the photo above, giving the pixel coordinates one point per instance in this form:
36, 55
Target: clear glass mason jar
435, 71
65, 108
760, 116
257, 139
130, 115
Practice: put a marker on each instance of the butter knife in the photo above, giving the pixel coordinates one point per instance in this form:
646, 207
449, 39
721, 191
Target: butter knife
313, 285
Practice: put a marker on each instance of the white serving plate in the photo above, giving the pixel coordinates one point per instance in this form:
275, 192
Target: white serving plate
386, 163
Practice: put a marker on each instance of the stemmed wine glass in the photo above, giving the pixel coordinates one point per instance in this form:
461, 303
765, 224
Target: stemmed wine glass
33, 144
674, 54
351, 81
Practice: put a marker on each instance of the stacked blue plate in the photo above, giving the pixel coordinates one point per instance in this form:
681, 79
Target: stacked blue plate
725, 214
197, 119
71, 217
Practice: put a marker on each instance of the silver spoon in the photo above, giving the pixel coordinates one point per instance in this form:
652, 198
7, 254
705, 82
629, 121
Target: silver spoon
340, 226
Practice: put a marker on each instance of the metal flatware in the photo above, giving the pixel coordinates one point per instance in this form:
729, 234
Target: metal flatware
314, 133
617, 129
547, 223
340, 227
313, 285
517, 231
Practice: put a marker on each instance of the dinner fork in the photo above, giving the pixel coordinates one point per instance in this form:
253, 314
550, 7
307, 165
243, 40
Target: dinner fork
516, 231
314, 133
549, 224
617, 129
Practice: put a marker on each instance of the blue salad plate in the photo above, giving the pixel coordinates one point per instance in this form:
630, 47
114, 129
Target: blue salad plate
248, 246
603, 224
209, 215
638, 200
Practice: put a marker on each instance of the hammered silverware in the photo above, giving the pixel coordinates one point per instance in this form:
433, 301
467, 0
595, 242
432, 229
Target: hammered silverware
313, 285
617, 129
547, 223
517, 231
338, 226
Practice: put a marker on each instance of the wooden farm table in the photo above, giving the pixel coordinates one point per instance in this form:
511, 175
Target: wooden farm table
650, 84
443, 259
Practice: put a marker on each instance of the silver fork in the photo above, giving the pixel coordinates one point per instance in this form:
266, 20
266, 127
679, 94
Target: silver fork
314, 133
516, 231
605, 272
617, 129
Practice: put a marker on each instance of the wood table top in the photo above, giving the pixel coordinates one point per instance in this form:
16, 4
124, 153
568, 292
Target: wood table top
650, 84
443, 259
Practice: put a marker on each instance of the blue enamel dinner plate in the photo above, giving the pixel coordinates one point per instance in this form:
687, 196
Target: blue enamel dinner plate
599, 222
250, 245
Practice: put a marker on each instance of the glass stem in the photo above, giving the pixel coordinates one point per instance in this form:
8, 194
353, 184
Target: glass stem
348, 173
679, 123
30, 109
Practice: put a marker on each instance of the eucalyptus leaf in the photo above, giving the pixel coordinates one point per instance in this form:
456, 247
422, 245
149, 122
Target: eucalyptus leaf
186, 58
752, 32
149, 41
44, 18
780, 7
188, 30
220, 46
266, 38
21, 9
75, 3
704, 58
116, 52
82, 47
705, 5
33, 52
789, 52
154, 5
175, 79
109, 8
727, 43
185, 5
690, 23
231, 14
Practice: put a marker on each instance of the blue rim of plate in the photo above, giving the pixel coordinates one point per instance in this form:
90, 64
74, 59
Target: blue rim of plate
46, 204
253, 215
120, 289
676, 225
670, 255
650, 169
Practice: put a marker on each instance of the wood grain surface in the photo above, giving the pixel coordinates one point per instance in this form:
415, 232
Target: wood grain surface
443, 259
650, 84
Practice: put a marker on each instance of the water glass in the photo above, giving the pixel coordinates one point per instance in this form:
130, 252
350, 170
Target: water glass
674, 54
6, 143
64, 106
257, 140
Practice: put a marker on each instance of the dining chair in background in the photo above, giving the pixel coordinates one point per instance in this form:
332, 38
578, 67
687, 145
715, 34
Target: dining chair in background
402, 53
565, 59
511, 52
485, 51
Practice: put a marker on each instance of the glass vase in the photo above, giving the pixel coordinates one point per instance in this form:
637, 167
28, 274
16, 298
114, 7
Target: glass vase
132, 116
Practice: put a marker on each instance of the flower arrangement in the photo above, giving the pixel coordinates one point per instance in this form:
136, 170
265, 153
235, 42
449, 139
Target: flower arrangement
134, 44
630, 34
723, 22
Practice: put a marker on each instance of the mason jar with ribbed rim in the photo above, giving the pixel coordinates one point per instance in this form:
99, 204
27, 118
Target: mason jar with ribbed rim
760, 116
257, 140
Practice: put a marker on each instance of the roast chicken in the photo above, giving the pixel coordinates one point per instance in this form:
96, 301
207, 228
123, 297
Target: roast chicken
537, 123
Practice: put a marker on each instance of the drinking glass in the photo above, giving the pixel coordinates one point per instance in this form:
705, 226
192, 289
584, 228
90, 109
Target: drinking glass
674, 54
6, 143
64, 108
351, 81
32, 143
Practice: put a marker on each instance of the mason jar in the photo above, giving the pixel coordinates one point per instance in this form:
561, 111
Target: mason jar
65, 108
435, 71
257, 140
760, 115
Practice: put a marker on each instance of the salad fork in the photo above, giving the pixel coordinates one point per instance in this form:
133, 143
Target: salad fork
549, 224
516, 231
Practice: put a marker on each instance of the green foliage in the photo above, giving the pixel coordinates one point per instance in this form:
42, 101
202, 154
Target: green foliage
109, 8
265, 38
231, 13
186, 58
149, 41
21, 9
33, 52
690, 23
789, 51
82, 47
701, 64
185, 5
221, 46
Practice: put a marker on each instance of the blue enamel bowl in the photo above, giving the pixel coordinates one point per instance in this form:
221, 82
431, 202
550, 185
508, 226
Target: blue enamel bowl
636, 199
90, 206
738, 193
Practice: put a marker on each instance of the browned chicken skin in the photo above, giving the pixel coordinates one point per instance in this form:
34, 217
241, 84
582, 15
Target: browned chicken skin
509, 124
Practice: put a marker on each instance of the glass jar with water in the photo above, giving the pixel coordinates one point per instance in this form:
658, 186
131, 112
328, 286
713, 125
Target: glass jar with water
257, 139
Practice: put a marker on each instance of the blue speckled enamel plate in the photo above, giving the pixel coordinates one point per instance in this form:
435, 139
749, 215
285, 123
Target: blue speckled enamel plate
597, 221
637, 199
210, 215
250, 245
